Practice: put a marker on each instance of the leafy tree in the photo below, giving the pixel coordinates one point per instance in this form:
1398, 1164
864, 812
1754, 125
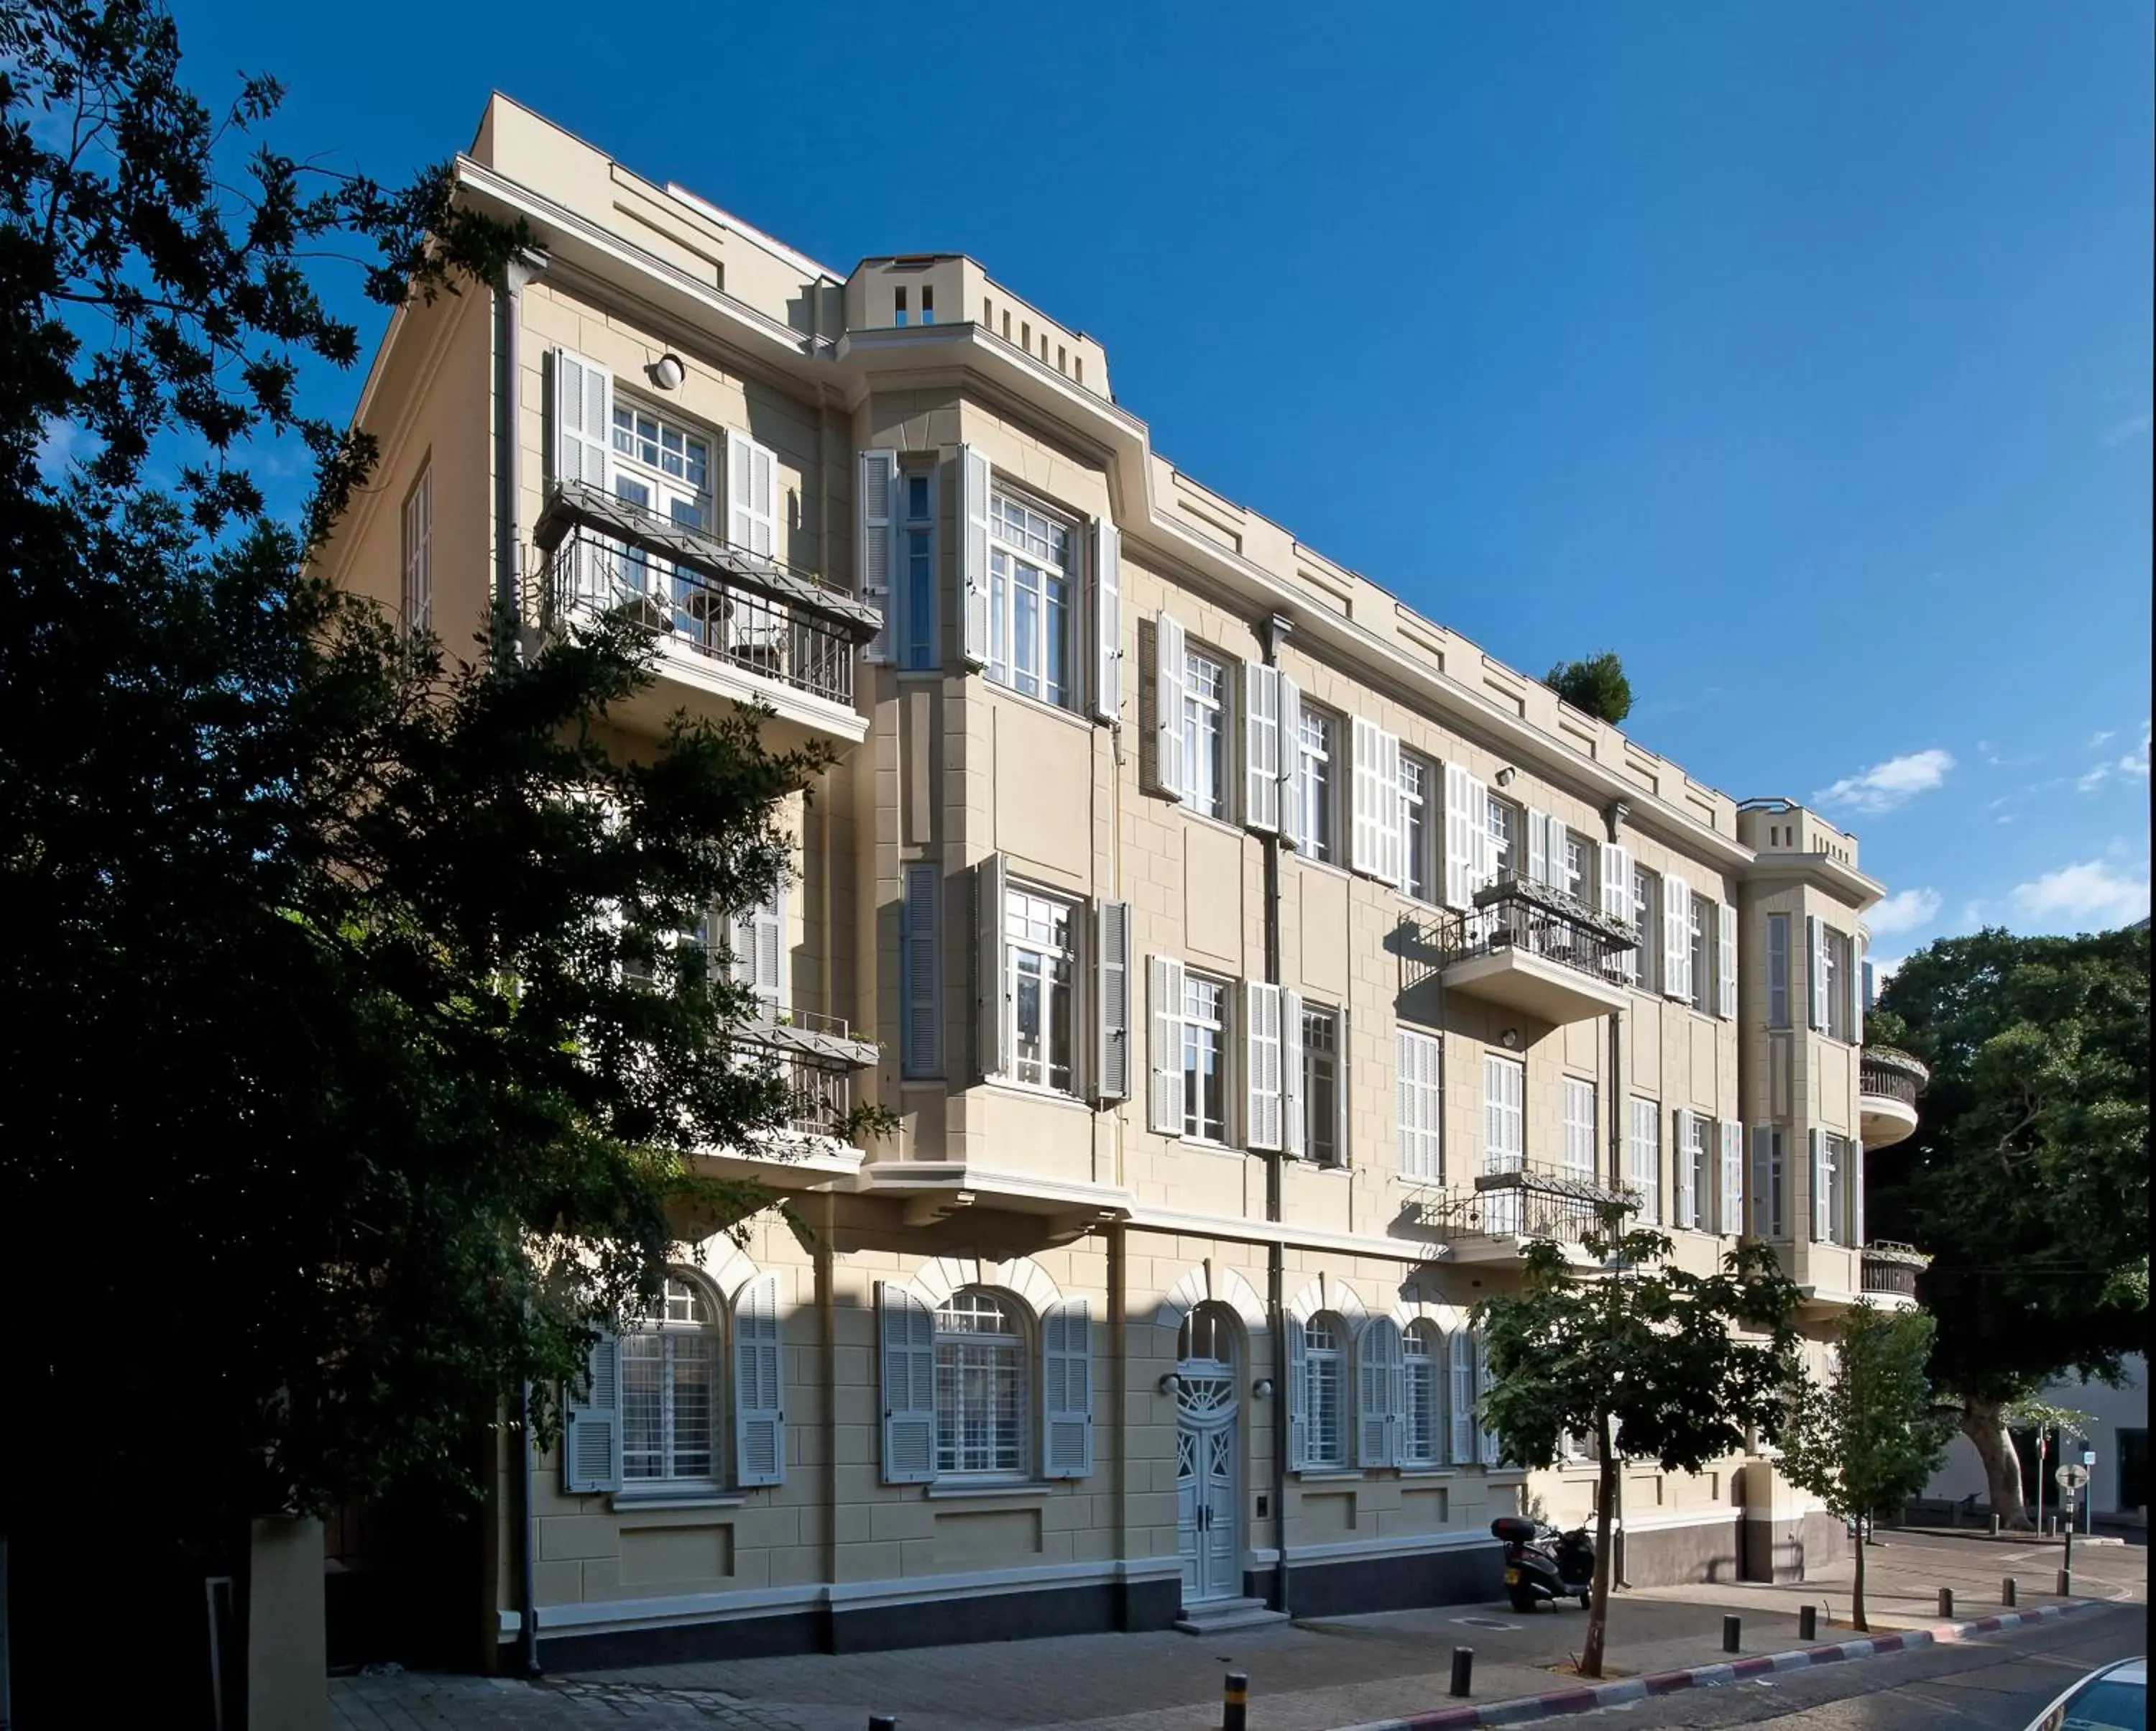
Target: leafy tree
1677, 1366
1596, 686
1871, 1436
349, 1078
2027, 1180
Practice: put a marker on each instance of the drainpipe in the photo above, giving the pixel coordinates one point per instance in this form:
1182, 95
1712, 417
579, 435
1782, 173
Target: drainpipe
523, 267
527, 1586
1274, 633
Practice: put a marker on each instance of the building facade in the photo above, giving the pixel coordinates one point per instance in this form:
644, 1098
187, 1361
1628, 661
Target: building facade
1254, 966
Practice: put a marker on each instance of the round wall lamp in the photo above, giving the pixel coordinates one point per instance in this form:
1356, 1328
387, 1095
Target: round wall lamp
1505, 776
667, 372
1170, 1384
1510, 1037
1262, 1389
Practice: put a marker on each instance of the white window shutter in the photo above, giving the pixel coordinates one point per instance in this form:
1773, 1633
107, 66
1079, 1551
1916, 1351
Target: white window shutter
1730, 1218
1066, 1355
991, 989
921, 942
583, 420
1819, 1235
1378, 1392
1677, 938
974, 481
1164, 1097
1765, 1198
751, 494
759, 1385
1298, 1395
1466, 805
760, 958
1815, 947
1173, 775
1366, 846
906, 1329
1539, 846
591, 1432
1107, 620
1725, 936
1293, 1140
1261, 1065
1482, 1386
876, 553
1461, 1363
1617, 899
1111, 998
1342, 1080
1392, 814
1261, 746
1290, 761
1687, 1172
1853, 1186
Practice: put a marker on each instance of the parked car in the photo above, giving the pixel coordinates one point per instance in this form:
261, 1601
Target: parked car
2115, 1698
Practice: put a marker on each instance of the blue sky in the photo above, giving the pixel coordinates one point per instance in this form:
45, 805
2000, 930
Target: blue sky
1800, 352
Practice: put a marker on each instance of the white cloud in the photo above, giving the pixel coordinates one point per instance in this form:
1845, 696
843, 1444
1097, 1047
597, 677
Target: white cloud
1881, 972
1884, 786
2089, 897
2133, 427
1903, 912
2134, 764
2098, 741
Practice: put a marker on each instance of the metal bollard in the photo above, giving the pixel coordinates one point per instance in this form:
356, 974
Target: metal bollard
1994, 1525
1946, 1601
1731, 1627
1808, 1622
2066, 1582
1235, 1701
2010, 1591
883, 1722
1463, 1670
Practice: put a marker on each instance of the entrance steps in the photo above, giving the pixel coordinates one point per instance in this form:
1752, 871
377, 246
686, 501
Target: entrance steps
1214, 1616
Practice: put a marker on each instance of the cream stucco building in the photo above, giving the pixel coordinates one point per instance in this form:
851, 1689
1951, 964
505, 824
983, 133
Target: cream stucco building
1254, 964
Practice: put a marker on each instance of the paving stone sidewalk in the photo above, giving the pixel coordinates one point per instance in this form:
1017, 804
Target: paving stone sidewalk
1307, 1676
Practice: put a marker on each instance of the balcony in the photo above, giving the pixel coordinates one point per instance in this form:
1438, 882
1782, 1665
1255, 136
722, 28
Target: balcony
1889, 1081
1507, 1209
1890, 1272
1536, 950
814, 1057
733, 626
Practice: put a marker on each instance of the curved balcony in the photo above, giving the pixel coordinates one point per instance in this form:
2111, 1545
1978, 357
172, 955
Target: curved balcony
1889, 1081
1890, 1272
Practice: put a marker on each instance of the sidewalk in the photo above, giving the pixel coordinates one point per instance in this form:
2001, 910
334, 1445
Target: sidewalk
1304, 1676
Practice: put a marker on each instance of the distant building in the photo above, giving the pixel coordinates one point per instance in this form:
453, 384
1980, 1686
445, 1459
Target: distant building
2118, 1478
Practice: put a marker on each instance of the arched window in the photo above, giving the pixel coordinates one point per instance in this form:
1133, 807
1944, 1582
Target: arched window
670, 1388
1324, 1403
981, 1397
1422, 1431
1207, 1336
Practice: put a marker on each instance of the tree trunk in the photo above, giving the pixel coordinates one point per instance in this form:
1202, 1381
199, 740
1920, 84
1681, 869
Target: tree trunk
1856, 1595
1982, 1424
1598, 1600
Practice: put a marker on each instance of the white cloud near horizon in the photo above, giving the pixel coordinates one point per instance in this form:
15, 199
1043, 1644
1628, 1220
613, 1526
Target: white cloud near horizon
1905, 910
1884, 786
2134, 764
2087, 897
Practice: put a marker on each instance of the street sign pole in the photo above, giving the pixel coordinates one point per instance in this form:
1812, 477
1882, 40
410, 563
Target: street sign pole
2071, 1479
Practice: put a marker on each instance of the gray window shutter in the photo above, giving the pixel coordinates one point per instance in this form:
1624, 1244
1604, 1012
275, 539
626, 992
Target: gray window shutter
1483, 1382
583, 420
1293, 1139
1815, 948
1462, 1363
759, 954
759, 1385
991, 989
1262, 1082
1290, 761
1378, 1376
751, 494
1066, 1337
974, 482
1164, 1097
1107, 620
1819, 1235
920, 945
1173, 773
1112, 997
1261, 746
1298, 1395
591, 1432
1766, 1198
906, 1328
874, 556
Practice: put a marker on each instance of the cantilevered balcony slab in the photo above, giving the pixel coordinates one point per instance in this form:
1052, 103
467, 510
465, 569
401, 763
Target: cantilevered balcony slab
1889, 1081
1534, 949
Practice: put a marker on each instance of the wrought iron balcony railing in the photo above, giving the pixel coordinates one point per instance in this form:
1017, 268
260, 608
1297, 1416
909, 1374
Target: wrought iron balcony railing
814, 1057
1891, 1267
1890, 1073
1525, 1201
727, 604
1518, 914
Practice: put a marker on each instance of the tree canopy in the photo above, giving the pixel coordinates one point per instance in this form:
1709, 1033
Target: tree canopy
2027, 1178
1596, 686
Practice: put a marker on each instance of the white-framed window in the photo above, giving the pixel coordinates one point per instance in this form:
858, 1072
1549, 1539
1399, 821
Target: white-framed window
1643, 1160
665, 469
1647, 921
670, 1389
981, 1346
1778, 970
1041, 960
1205, 1058
916, 568
1576, 867
1694, 1148
1317, 789
1205, 733
662, 448
1321, 1085
921, 967
1502, 819
1828, 1181
1504, 1109
417, 596
1418, 829
1422, 1421
1841, 1020
1704, 915
1029, 602
1578, 1128
1769, 1184
1324, 1385
1419, 1061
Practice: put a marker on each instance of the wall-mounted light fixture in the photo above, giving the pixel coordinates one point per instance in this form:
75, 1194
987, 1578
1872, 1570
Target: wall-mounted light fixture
1170, 1384
1505, 776
1511, 1036
1262, 1389
667, 372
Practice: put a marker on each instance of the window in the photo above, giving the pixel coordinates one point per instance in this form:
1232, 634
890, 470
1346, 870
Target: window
670, 1389
920, 923
666, 470
1418, 1060
1841, 1017
980, 1385
1504, 1139
1205, 1058
1696, 1170
1321, 1086
1778, 970
1577, 868
419, 585
1205, 734
1768, 1222
1422, 1425
1578, 1128
1647, 921
1316, 792
1828, 1199
1643, 1160
1502, 819
1029, 601
1703, 912
1207, 1337
928, 303
1039, 955
1324, 1369
1419, 871
898, 305
917, 569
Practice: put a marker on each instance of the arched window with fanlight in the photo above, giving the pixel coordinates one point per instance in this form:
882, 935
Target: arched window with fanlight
670, 1389
1317, 1375
981, 1392
1422, 1418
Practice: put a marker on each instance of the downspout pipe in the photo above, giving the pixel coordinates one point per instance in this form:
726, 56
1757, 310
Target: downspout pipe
1274, 633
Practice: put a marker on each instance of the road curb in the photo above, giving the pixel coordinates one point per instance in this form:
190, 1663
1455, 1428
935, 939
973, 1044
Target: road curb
1527, 1709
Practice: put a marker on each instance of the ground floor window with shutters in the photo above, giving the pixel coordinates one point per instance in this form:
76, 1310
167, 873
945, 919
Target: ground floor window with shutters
1324, 1393
1205, 1058
981, 1353
1041, 960
670, 1389
1321, 1102
1643, 1160
1422, 1394
1030, 611
1419, 1058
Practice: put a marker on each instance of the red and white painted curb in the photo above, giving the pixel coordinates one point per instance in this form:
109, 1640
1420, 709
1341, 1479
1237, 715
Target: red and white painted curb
1590, 1695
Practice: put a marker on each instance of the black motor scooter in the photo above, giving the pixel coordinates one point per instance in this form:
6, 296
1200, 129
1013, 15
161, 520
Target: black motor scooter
1543, 1564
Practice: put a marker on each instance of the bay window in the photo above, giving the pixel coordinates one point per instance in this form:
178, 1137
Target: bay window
1040, 958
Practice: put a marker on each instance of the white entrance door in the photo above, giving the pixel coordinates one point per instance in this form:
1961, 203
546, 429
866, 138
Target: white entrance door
1206, 1504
